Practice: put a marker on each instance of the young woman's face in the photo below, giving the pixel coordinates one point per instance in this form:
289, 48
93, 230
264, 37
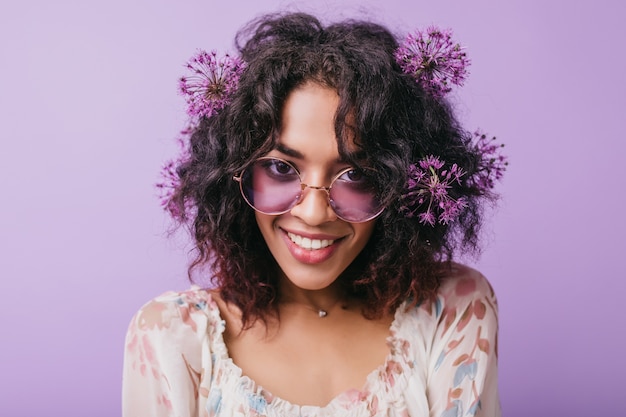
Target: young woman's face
310, 243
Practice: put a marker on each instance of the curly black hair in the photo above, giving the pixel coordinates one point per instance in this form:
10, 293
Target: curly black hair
394, 123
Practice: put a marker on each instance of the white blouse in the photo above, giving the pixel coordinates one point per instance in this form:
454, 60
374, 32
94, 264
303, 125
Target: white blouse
442, 361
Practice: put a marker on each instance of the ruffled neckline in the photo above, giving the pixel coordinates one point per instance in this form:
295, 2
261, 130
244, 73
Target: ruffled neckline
384, 384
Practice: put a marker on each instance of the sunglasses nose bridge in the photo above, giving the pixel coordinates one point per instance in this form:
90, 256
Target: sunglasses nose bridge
304, 186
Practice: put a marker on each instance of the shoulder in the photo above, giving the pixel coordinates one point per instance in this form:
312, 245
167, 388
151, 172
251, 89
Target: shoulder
171, 327
453, 339
176, 315
464, 295
166, 353
463, 285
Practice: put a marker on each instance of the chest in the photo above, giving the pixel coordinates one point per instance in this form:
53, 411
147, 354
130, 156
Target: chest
312, 361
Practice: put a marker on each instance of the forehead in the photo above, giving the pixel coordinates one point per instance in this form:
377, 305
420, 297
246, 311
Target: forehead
308, 124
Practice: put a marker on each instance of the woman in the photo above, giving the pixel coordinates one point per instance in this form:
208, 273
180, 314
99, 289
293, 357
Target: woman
327, 185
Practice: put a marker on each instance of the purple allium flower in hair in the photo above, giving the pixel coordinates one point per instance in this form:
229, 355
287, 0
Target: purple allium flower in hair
170, 180
207, 90
433, 59
427, 195
212, 81
429, 181
492, 165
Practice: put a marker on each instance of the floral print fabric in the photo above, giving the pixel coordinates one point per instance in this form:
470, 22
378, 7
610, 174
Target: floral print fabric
442, 361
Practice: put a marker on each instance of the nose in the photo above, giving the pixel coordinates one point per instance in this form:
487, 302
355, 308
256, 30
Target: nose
314, 208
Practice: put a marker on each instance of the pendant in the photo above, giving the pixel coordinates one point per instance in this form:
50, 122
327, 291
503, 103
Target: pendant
322, 313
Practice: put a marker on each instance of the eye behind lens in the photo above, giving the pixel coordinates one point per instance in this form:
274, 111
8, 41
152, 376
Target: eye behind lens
271, 186
275, 169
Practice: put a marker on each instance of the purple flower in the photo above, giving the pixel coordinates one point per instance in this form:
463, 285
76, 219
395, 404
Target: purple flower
492, 164
427, 194
431, 161
170, 180
433, 59
212, 81
429, 182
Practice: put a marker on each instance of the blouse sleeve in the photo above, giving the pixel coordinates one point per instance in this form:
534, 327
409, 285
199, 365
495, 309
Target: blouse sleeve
462, 373
163, 357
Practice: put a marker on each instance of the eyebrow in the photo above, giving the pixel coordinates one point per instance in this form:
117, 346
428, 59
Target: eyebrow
360, 155
289, 151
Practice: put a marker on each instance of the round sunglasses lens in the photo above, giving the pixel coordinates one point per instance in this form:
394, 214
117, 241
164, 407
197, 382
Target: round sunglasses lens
271, 186
355, 197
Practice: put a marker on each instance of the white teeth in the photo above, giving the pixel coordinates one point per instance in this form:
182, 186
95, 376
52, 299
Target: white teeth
310, 244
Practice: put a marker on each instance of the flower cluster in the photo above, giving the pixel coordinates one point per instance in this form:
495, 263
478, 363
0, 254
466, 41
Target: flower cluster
212, 81
433, 59
437, 63
429, 183
493, 163
169, 180
427, 194
207, 90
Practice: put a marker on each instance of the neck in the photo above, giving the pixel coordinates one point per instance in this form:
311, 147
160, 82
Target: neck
322, 301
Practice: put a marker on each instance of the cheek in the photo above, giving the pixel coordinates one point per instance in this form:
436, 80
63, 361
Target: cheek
265, 222
365, 230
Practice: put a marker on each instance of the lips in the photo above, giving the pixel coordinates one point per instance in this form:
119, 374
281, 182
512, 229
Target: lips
310, 249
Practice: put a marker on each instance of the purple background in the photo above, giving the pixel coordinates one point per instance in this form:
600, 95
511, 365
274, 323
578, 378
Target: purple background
89, 110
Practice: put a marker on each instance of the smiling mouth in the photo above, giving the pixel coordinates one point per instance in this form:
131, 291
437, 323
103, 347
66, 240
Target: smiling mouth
309, 244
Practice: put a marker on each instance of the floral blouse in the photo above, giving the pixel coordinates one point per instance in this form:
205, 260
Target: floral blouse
442, 362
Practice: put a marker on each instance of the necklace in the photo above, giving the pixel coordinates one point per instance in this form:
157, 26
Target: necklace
321, 312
